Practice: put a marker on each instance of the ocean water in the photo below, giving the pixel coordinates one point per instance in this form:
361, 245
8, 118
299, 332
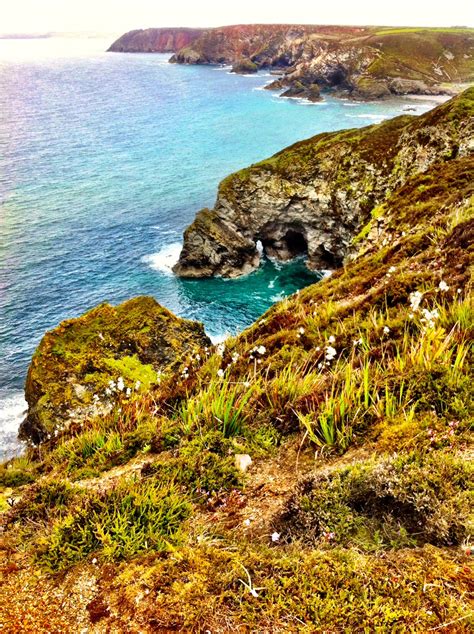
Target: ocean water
104, 160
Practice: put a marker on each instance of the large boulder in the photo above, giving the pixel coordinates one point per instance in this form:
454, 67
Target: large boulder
368, 89
244, 66
70, 372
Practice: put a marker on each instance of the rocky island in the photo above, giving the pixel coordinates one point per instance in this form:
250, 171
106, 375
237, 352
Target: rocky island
358, 62
313, 473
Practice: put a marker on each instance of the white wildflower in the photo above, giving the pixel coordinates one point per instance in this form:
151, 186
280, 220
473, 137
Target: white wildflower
220, 373
235, 357
386, 330
120, 384
220, 349
429, 317
443, 287
128, 392
112, 385
137, 385
392, 269
332, 339
108, 391
415, 300
301, 330
330, 353
275, 536
247, 522
261, 349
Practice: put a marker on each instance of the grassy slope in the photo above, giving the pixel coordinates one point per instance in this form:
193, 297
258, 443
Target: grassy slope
431, 54
353, 398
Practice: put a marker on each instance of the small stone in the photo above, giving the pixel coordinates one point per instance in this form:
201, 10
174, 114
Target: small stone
242, 461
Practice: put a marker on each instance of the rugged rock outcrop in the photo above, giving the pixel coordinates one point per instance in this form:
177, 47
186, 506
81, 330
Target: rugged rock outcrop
365, 63
165, 40
314, 197
244, 67
69, 375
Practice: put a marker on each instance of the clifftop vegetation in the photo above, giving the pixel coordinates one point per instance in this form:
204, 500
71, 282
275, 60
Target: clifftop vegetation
353, 400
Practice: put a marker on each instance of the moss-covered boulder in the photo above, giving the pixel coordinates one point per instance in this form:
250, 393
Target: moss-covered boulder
81, 364
369, 89
244, 67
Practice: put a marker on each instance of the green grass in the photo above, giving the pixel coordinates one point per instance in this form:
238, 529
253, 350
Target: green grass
132, 518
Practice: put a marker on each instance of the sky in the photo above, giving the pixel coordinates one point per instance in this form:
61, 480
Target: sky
117, 16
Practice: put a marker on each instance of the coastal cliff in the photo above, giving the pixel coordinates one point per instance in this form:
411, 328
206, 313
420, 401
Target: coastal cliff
363, 63
313, 473
313, 198
164, 40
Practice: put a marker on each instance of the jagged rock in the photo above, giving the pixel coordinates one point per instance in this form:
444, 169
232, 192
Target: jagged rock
367, 88
244, 67
303, 91
366, 61
76, 361
313, 197
400, 86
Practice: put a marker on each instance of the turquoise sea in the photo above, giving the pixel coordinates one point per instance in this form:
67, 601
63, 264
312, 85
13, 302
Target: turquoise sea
104, 160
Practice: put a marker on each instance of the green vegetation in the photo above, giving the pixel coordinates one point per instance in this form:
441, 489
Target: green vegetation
119, 524
393, 502
353, 399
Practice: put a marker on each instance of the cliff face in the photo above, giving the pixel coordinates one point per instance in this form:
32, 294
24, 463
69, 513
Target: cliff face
165, 40
314, 197
366, 63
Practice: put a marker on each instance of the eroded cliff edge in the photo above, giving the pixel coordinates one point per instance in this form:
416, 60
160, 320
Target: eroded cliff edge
314, 197
164, 40
360, 62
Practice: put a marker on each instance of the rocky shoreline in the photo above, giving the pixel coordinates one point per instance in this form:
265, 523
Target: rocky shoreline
315, 197
363, 63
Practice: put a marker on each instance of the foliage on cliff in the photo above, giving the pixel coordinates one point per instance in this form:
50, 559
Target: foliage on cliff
354, 400
76, 364
321, 190
366, 62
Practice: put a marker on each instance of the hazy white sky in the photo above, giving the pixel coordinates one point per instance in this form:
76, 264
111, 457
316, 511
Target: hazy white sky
20, 16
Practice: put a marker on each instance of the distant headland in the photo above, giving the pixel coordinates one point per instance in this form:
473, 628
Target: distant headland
357, 62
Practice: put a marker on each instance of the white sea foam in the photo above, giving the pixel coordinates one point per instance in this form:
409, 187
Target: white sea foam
307, 102
220, 338
278, 298
12, 412
372, 117
165, 258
